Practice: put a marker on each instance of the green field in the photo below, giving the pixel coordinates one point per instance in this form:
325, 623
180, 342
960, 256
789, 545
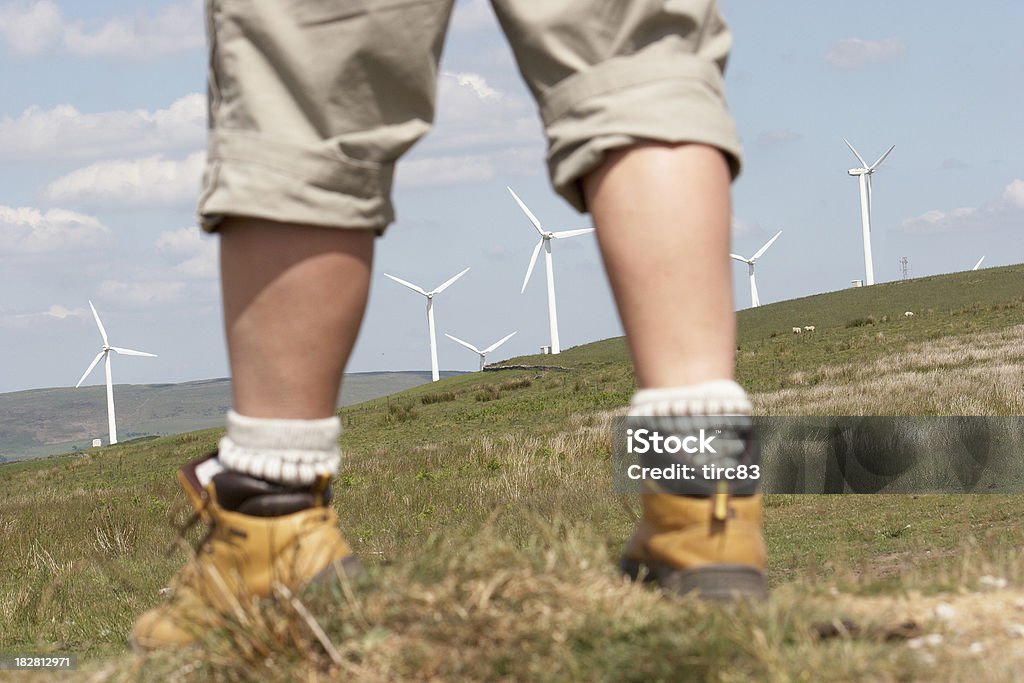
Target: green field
482, 505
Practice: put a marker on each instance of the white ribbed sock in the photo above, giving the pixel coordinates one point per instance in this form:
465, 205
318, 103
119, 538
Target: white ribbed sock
716, 397
284, 451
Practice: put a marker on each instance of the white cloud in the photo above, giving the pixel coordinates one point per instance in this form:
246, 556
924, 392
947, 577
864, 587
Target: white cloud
472, 113
31, 28
1004, 211
941, 220
854, 53
25, 230
148, 181
1014, 193
178, 27
64, 132
54, 312
476, 83
61, 313
492, 130
195, 254
141, 293
744, 228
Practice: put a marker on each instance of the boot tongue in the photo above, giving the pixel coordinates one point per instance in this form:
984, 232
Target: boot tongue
194, 476
207, 470
247, 495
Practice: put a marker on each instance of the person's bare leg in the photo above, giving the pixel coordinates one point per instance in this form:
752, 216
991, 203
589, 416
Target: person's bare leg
294, 297
662, 214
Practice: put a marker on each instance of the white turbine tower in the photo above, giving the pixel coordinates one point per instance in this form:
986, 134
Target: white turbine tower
104, 354
486, 351
754, 300
864, 175
430, 315
978, 264
545, 241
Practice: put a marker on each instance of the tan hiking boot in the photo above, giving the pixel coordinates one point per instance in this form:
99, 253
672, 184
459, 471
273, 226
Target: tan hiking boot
261, 534
712, 546
701, 532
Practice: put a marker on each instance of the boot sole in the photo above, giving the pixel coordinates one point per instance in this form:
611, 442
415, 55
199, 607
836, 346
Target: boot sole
716, 583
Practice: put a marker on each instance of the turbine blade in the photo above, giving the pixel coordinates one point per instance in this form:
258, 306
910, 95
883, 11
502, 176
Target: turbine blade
406, 284
499, 342
571, 233
450, 281
856, 153
875, 165
976, 265
739, 258
464, 343
529, 214
760, 252
533, 262
130, 352
103, 332
99, 356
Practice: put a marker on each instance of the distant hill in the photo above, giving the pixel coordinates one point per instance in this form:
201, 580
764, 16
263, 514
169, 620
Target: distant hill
42, 422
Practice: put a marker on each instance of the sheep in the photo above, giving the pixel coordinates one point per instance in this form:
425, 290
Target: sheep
797, 330
908, 314
808, 328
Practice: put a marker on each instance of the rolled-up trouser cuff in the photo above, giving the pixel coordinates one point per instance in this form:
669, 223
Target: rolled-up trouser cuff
628, 100
249, 175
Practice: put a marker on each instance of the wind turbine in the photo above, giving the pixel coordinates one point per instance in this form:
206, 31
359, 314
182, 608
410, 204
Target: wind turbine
754, 301
485, 351
978, 264
545, 241
864, 174
104, 354
430, 314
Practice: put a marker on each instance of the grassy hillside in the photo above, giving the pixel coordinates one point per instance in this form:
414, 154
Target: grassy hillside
58, 420
483, 506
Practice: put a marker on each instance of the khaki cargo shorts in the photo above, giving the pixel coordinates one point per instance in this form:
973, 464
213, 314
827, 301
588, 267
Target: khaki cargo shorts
312, 102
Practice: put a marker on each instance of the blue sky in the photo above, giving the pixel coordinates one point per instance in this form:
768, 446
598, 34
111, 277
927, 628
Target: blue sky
101, 139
